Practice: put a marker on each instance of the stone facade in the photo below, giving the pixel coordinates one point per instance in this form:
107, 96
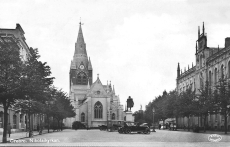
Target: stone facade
95, 104
18, 120
211, 64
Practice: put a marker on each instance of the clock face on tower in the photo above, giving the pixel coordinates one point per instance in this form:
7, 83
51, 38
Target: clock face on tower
82, 67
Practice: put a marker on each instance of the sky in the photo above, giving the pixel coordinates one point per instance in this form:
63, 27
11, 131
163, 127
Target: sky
135, 44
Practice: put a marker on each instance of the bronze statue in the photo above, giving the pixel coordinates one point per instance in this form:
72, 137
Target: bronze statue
130, 103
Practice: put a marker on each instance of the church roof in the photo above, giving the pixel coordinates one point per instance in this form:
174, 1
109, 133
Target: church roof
80, 37
80, 47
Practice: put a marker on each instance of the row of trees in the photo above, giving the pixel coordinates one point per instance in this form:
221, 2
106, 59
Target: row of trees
27, 86
202, 102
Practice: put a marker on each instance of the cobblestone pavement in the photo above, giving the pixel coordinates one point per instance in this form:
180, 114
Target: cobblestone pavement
104, 138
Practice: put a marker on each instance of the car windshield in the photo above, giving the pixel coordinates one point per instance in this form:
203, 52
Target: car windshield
130, 124
144, 124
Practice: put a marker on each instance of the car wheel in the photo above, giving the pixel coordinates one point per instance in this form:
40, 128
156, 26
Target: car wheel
146, 132
128, 131
120, 131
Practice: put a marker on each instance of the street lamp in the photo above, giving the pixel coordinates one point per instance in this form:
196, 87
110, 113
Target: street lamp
153, 120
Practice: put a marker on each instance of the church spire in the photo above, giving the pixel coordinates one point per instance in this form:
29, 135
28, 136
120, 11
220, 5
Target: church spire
80, 46
178, 70
196, 48
203, 28
89, 65
113, 90
80, 34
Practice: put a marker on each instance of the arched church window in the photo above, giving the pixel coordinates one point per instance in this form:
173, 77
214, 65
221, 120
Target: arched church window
98, 109
113, 116
82, 78
82, 117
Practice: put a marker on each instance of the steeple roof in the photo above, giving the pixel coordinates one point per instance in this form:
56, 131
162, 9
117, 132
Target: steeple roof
80, 34
80, 53
80, 47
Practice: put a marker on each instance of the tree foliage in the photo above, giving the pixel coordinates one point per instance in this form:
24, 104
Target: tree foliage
10, 76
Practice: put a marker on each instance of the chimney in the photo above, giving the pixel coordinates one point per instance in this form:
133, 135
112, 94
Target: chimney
227, 42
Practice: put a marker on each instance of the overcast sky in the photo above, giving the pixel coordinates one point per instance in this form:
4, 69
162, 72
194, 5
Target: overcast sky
135, 44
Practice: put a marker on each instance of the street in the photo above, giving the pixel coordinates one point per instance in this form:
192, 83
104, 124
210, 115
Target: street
104, 138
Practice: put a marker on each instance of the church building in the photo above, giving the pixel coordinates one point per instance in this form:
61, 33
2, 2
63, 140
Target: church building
95, 104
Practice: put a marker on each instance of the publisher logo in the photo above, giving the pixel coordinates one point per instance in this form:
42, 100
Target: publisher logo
214, 138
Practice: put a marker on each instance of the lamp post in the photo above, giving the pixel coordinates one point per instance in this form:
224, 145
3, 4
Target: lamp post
153, 120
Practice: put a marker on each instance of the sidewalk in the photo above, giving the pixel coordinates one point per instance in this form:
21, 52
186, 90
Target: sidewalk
19, 135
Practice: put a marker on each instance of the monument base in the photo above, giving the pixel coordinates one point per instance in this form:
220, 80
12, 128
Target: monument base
129, 116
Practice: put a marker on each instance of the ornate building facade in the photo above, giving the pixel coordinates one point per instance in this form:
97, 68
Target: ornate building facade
17, 119
211, 64
95, 104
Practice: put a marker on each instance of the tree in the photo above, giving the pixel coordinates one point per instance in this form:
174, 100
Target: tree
170, 106
62, 107
36, 82
204, 102
222, 98
10, 77
158, 105
139, 116
186, 104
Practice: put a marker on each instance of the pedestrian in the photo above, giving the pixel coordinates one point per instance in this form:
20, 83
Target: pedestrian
9, 129
159, 126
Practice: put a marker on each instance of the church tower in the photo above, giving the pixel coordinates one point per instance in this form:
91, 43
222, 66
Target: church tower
81, 68
81, 73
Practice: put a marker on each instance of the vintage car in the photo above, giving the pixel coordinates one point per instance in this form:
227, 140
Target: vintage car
130, 127
102, 127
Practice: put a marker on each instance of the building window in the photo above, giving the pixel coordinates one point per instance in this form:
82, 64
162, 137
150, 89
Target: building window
215, 75
210, 78
229, 69
82, 117
98, 109
21, 118
82, 78
1, 119
14, 121
200, 61
222, 71
201, 80
113, 116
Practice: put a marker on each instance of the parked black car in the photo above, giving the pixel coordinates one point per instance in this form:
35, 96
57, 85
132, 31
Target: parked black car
102, 127
130, 127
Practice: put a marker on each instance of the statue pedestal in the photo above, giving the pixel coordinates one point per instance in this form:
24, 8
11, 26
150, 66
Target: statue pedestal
129, 116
